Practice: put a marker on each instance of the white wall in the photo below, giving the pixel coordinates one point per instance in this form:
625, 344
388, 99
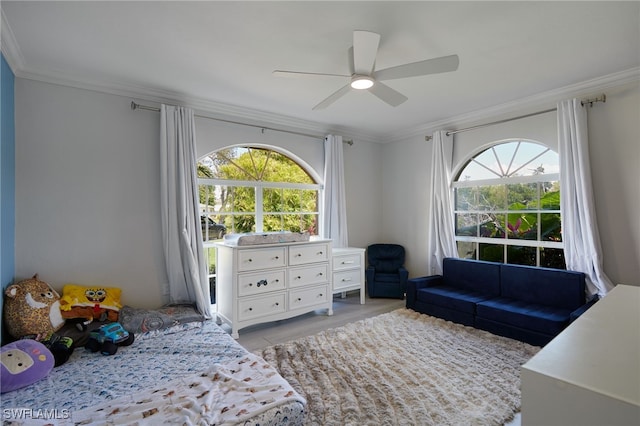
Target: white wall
87, 187
615, 155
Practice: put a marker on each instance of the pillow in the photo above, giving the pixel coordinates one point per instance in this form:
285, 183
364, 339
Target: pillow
165, 320
23, 362
90, 302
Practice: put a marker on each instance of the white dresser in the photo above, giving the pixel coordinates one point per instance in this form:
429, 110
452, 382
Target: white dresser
590, 373
270, 282
348, 270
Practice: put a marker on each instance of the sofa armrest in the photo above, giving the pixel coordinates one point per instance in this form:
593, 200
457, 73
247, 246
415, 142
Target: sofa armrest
415, 284
582, 309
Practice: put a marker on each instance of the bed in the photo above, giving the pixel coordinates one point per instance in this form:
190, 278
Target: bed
192, 373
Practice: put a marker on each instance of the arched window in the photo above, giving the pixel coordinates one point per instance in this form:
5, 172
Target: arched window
254, 189
507, 205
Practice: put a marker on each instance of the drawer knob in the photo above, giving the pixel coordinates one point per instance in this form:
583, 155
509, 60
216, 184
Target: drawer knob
320, 274
298, 277
277, 304
249, 260
251, 309
299, 299
321, 295
299, 254
277, 257
320, 252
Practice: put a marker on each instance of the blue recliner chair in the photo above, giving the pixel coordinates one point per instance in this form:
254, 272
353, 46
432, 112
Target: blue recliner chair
385, 273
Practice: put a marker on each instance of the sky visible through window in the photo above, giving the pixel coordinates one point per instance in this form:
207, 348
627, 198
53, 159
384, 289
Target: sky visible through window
518, 158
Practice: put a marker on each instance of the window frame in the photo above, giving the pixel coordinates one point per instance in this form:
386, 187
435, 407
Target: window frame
504, 241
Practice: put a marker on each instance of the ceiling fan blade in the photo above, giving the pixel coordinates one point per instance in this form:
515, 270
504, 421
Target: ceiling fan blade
333, 97
387, 94
365, 49
414, 69
282, 73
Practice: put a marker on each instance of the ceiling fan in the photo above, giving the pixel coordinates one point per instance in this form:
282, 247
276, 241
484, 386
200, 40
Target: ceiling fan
362, 59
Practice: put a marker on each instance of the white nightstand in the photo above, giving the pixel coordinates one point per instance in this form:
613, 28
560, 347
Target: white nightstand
348, 270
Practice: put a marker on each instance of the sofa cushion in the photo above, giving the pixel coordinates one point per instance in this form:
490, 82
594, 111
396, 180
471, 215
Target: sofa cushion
550, 287
387, 278
532, 316
452, 298
473, 275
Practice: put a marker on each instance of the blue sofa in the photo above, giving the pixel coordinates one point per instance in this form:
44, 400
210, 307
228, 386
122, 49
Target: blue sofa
525, 303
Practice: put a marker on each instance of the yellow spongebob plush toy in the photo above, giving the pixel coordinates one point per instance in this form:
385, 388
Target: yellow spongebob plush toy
101, 303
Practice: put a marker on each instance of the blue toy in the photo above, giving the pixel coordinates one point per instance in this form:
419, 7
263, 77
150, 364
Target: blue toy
108, 337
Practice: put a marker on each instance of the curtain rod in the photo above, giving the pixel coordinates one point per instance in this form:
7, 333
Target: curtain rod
135, 106
601, 98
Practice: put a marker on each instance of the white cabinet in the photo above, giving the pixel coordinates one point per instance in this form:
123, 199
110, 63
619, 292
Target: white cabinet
348, 270
262, 283
590, 373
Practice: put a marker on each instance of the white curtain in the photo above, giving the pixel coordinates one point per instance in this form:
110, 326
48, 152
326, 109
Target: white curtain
335, 205
582, 250
442, 241
181, 232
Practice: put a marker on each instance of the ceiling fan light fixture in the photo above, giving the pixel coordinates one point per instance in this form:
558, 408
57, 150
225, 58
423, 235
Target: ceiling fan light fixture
361, 82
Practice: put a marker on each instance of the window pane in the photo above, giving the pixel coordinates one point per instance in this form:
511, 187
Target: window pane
244, 223
292, 200
522, 196
467, 249
552, 258
551, 229
493, 226
272, 200
550, 198
310, 222
309, 200
467, 224
212, 228
493, 197
492, 252
519, 255
523, 226
241, 199
272, 223
465, 198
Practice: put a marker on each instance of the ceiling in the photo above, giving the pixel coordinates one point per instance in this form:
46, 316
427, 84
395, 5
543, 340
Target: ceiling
219, 56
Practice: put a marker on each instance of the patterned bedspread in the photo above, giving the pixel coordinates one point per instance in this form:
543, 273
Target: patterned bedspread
196, 376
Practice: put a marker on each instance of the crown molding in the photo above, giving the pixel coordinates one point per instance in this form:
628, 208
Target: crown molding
204, 106
526, 105
10, 49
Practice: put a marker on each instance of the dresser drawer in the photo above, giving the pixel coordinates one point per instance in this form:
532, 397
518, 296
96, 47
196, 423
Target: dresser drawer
304, 297
346, 262
308, 275
302, 254
260, 282
256, 307
346, 279
251, 260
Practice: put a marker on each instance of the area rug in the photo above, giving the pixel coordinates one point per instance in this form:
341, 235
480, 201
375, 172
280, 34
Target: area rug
404, 368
